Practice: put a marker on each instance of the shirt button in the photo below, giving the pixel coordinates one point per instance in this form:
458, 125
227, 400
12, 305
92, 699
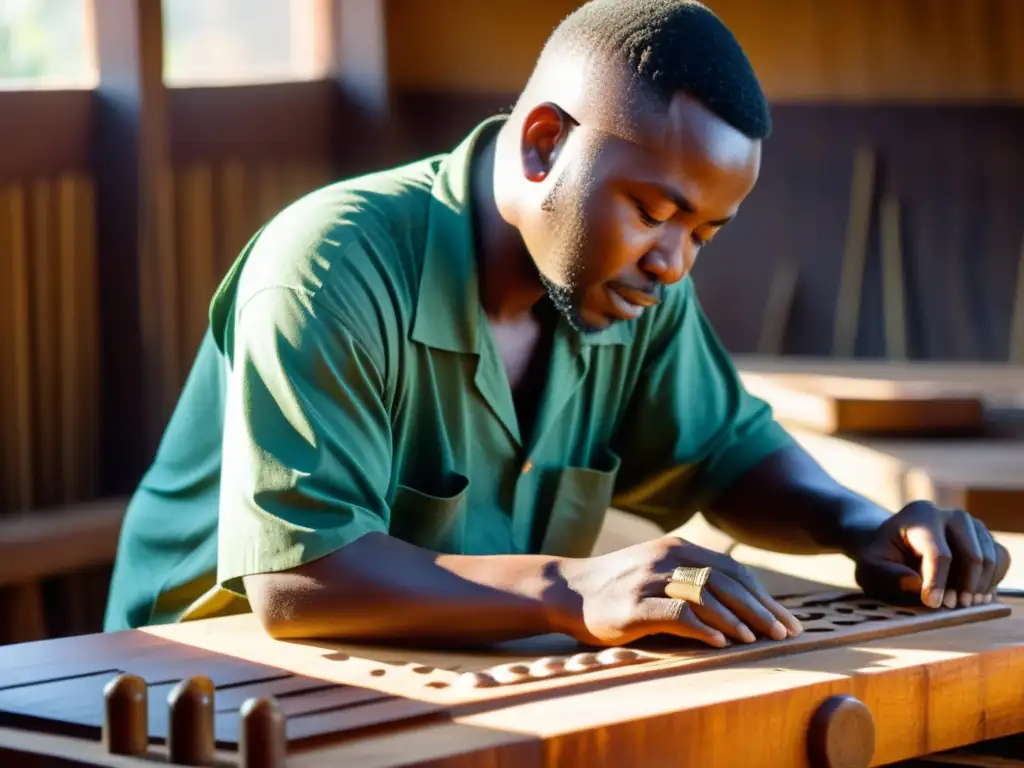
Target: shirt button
527, 466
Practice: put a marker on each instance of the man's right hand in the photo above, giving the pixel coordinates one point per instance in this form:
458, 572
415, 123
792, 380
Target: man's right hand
623, 598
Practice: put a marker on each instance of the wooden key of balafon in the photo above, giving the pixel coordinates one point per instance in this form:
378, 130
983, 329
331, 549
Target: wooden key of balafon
126, 716
262, 740
190, 736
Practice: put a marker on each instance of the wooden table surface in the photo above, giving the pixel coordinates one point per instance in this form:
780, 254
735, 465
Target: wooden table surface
927, 692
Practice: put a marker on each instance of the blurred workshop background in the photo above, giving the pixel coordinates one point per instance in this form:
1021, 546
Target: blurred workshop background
872, 288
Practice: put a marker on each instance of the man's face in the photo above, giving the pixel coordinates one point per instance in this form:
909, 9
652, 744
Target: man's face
616, 219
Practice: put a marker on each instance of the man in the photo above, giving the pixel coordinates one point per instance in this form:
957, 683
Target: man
422, 389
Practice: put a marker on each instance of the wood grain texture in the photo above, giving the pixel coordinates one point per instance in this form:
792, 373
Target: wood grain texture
871, 397
58, 540
208, 211
801, 49
834, 405
927, 692
342, 688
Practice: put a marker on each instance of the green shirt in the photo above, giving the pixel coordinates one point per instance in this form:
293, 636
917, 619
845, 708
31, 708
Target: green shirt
350, 383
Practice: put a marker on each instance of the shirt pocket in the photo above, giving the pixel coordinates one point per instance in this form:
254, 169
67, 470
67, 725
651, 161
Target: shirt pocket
582, 498
434, 521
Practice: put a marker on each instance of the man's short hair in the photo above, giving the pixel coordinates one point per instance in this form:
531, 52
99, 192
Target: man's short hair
671, 46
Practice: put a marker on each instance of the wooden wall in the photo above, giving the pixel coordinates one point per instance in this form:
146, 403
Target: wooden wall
849, 50
934, 87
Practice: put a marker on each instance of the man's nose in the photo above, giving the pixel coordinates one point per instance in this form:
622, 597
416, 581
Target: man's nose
671, 261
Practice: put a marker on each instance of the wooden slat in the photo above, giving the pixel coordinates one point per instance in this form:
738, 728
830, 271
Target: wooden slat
840, 405
88, 346
167, 345
233, 230
45, 371
1017, 316
71, 318
53, 541
848, 303
194, 209
8, 417
780, 303
24, 619
892, 279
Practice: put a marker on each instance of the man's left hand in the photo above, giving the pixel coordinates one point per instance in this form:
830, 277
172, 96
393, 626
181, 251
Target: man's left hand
940, 556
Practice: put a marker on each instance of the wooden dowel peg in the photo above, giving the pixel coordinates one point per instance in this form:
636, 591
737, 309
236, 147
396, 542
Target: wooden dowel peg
126, 716
190, 736
263, 742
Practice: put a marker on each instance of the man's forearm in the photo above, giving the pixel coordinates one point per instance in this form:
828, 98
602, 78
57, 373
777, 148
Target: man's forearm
381, 588
788, 503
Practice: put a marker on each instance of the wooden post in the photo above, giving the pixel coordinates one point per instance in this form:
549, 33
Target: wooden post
352, 43
138, 288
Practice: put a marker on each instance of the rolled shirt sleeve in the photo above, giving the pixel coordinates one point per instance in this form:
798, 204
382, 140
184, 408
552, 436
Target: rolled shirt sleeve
307, 441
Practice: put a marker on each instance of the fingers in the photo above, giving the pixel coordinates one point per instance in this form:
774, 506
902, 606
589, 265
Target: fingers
928, 542
986, 580
716, 615
968, 561
663, 615
1002, 566
742, 602
763, 612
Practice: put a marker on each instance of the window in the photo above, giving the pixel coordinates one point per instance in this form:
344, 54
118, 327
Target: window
228, 42
45, 44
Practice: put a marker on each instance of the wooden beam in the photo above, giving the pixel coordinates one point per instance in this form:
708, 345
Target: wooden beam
138, 287
48, 542
29, 151
253, 122
865, 397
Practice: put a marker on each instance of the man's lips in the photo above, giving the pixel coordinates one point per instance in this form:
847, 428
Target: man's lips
635, 295
629, 303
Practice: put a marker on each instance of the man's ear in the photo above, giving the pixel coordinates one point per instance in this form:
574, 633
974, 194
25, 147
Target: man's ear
544, 132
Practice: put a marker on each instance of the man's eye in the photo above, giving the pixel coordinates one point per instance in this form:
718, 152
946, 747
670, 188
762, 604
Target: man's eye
645, 214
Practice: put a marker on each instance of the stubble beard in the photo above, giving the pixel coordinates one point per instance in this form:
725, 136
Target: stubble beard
569, 246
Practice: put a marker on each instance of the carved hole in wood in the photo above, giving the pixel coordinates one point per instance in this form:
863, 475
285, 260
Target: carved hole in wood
818, 629
809, 616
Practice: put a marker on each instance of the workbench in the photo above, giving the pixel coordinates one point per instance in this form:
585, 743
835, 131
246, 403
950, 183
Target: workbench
819, 699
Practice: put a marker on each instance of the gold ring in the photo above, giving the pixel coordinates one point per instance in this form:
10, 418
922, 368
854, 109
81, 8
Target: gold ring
688, 584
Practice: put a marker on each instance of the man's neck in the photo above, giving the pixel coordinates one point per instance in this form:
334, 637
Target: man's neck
509, 287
